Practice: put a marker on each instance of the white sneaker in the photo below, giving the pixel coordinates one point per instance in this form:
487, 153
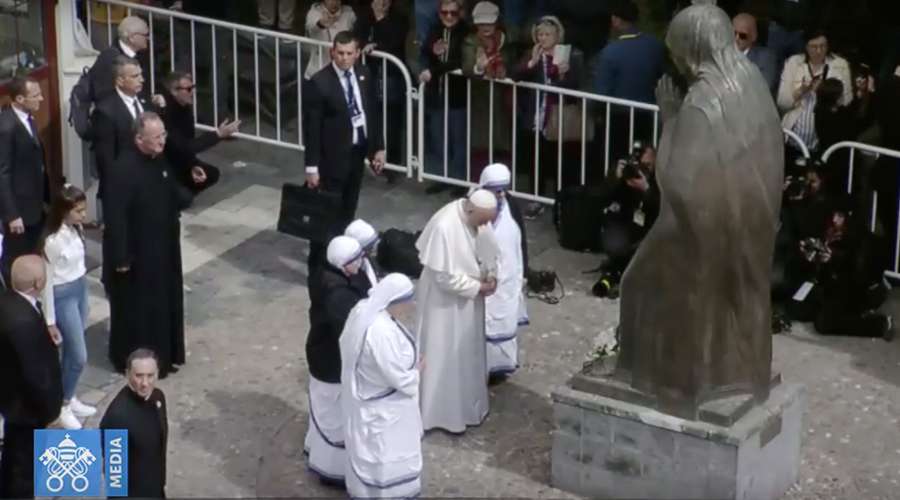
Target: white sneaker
80, 409
68, 420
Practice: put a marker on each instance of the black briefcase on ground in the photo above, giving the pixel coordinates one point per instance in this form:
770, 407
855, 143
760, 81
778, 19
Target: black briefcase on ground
307, 213
397, 253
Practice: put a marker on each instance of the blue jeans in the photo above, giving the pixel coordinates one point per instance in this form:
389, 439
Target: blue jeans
71, 303
456, 142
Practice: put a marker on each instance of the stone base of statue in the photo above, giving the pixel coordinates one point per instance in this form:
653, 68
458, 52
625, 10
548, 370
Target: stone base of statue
609, 442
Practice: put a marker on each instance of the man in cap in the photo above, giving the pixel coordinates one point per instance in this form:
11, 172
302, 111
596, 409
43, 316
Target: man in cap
334, 289
505, 309
450, 313
365, 235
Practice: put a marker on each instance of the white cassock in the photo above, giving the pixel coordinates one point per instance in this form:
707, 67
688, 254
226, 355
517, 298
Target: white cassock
380, 381
450, 323
505, 309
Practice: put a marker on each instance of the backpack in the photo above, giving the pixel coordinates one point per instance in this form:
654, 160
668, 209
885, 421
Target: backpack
80, 101
397, 253
576, 215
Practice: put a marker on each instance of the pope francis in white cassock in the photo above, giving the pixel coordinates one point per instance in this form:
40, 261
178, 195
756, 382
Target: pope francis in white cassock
450, 314
380, 381
505, 309
365, 234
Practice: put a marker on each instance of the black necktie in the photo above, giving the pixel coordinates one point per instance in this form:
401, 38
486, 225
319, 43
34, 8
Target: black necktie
137, 109
31, 128
353, 106
39, 307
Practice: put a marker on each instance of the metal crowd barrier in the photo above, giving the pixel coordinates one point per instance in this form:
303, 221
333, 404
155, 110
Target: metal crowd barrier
174, 38
589, 104
172, 31
875, 151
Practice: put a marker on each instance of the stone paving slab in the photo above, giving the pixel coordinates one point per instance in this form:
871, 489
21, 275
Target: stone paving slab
238, 407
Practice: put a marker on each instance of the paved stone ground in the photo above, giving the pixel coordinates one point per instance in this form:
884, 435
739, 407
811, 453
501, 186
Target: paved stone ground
238, 408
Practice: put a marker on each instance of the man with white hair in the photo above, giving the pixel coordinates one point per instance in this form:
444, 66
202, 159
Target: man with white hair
134, 39
367, 237
505, 310
450, 313
334, 289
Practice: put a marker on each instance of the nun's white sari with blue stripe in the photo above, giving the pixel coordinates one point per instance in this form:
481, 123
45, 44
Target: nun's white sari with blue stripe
380, 380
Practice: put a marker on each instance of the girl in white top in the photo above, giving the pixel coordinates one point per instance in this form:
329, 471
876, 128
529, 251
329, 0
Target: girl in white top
65, 302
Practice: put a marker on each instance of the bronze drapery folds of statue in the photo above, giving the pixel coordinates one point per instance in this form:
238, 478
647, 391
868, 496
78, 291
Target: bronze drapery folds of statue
695, 307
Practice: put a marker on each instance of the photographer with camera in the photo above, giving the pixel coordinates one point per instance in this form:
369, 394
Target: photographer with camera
632, 207
836, 279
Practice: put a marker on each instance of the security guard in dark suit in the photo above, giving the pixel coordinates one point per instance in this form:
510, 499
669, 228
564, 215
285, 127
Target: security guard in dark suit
23, 176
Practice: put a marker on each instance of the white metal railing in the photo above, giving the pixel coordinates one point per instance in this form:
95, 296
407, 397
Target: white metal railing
604, 103
792, 136
875, 151
178, 29
516, 87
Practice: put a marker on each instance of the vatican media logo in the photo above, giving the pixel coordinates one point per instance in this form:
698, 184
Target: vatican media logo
67, 463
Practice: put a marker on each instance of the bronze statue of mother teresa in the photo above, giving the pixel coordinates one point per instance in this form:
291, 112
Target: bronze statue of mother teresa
695, 319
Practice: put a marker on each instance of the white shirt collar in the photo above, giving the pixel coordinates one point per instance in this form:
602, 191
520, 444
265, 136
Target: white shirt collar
129, 100
23, 117
31, 300
127, 50
340, 72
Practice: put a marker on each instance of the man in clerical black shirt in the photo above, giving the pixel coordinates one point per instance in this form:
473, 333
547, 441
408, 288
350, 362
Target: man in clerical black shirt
140, 409
142, 252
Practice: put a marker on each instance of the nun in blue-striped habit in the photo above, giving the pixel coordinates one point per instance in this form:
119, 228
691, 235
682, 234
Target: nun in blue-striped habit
380, 381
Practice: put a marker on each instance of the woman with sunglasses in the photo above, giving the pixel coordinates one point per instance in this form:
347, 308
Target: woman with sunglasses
442, 52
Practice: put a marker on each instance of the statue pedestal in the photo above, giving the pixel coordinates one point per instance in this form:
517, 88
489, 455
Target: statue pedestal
615, 448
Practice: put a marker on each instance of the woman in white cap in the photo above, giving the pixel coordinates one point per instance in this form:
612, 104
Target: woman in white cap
367, 237
505, 309
333, 292
380, 380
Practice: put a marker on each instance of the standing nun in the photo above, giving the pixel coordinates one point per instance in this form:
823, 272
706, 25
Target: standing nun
505, 309
334, 290
365, 235
380, 380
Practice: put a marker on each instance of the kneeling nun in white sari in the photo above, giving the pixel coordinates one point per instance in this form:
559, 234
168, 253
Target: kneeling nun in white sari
380, 380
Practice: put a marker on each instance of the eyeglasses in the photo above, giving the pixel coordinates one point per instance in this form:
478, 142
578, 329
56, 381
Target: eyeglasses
450, 13
145, 35
189, 88
742, 36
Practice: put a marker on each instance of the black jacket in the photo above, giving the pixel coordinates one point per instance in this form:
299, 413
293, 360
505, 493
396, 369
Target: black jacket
434, 91
31, 391
103, 79
331, 297
182, 143
22, 174
330, 130
112, 123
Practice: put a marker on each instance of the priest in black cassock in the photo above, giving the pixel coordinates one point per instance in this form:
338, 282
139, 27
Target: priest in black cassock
142, 252
140, 409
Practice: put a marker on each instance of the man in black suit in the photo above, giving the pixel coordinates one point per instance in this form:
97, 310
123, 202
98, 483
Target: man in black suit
342, 132
134, 38
22, 173
31, 392
113, 118
183, 144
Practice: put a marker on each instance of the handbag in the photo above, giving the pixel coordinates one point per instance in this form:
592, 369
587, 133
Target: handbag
571, 119
309, 214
